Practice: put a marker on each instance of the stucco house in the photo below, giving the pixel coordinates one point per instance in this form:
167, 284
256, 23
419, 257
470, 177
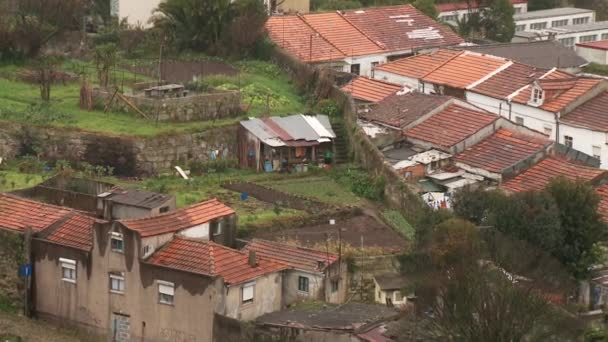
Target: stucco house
392, 290
311, 274
355, 41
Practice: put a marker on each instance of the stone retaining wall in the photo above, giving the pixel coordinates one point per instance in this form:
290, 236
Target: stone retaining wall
195, 107
130, 156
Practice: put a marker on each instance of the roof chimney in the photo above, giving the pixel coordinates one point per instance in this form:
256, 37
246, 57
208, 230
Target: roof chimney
253, 262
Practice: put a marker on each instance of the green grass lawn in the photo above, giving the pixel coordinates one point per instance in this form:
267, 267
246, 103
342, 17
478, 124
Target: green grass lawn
320, 187
16, 97
14, 180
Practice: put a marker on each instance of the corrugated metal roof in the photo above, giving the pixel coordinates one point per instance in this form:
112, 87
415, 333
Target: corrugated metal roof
295, 130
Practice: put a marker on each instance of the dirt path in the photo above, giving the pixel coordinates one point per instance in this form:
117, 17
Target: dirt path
277, 197
17, 328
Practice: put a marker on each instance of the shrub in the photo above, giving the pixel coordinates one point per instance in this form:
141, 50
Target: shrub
215, 165
328, 107
360, 183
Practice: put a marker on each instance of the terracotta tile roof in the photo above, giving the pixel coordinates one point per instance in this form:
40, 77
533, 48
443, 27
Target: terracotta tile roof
366, 89
598, 45
294, 35
419, 65
602, 207
591, 114
337, 35
538, 176
557, 99
455, 6
401, 110
501, 150
300, 258
464, 70
75, 231
211, 259
18, 213
342, 34
509, 80
451, 125
402, 28
179, 219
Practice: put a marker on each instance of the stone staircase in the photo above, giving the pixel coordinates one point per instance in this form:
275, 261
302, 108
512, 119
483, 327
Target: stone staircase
342, 150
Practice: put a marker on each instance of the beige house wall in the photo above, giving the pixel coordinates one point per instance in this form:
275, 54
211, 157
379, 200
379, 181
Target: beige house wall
268, 297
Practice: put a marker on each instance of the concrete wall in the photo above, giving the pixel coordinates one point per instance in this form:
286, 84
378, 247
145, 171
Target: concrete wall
195, 107
316, 286
89, 304
130, 156
593, 55
268, 295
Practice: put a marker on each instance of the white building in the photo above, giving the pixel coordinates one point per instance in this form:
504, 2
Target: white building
538, 21
594, 52
391, 290
450, 12
569, 35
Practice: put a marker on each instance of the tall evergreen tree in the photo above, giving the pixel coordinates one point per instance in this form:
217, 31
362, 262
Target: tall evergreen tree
498, 21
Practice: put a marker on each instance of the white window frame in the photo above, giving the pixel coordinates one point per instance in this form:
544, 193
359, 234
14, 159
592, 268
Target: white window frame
588, 38
537, 96
117, 236
567, 42
68, 264
166, 292
599, 150
217, 226
580, 20
121, 279
520, 28
147, 250
558, 23
570, 139
247, 293
538, 26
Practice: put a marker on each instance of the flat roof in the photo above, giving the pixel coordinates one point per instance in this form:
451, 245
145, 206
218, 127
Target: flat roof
549, 13
598, 25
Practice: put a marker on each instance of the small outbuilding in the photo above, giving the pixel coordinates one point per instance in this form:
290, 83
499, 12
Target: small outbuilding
285, 143
389, 289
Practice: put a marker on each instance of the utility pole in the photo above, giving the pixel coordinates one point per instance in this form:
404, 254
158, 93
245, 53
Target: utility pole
160, 61
27, 270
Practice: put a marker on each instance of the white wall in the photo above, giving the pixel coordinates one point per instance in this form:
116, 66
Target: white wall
396, 79
584, 139
365, 63
534, 118
523, 8
199, 232
593, 55
549, 21
137, 12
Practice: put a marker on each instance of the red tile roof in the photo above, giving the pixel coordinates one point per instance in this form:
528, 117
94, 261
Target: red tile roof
366, 89
502, 150
419, 65
602, 207
401, 28
342, 34
179, 219
591, 114
509, 80
211, 259
337, 35
451, 125
18, 213
75, 231
538, 176
598, 45
455, 6
561, 89
464, 70
296, 37
299, 258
